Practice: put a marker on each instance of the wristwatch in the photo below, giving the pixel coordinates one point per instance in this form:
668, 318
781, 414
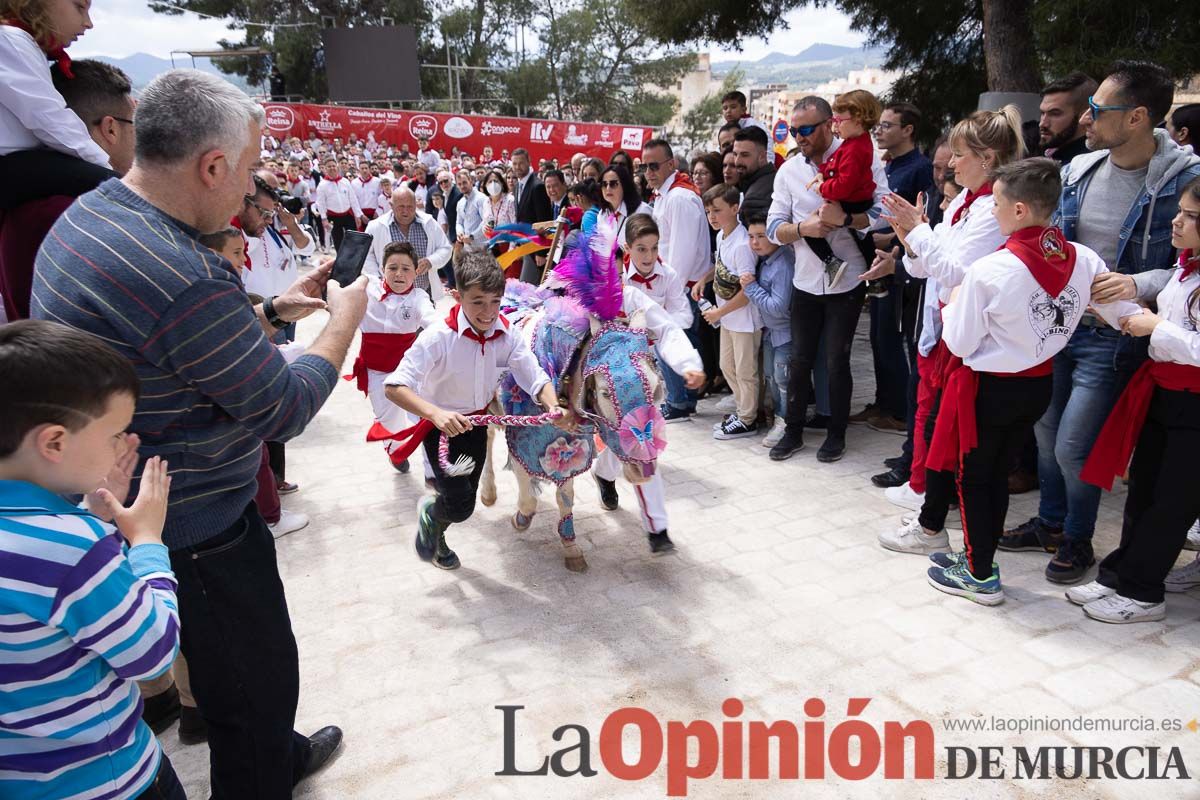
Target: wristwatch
277, 322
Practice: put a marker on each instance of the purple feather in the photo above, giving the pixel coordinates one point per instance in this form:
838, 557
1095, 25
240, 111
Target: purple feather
593, 278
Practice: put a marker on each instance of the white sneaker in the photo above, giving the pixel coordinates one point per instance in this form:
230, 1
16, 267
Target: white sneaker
904, 496
1089, 592
1193, 537
727, 405
289, 522
911, 538
1123, 610
724, 418
1183, 578
953, 519
775, 434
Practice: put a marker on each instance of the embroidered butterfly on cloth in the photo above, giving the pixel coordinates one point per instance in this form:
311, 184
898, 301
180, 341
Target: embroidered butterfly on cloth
639, 433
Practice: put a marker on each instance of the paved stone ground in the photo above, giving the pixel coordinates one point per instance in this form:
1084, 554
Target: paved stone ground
777, 592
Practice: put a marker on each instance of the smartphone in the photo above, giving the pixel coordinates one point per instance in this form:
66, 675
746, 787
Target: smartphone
350, 257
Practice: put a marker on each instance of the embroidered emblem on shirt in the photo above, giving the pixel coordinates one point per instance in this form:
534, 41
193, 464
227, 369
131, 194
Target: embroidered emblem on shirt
1053, 316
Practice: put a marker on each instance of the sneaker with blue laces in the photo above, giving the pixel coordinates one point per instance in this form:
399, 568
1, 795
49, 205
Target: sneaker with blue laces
950, 559
956, 579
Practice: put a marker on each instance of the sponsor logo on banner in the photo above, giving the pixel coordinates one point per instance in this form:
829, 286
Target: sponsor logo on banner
605, 139
490, 128
423, 125
631, 138
575, 137
324, 124
458, 128
540, 132
280, 118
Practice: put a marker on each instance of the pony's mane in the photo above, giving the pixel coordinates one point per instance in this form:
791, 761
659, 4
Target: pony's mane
593, 278
520, 298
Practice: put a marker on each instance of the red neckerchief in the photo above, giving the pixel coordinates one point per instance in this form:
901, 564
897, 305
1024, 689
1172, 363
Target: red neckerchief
645, 280
1189, 263
387, 289
1047, 254
986, 189
51, 48
237, 223
471, 333
683, 181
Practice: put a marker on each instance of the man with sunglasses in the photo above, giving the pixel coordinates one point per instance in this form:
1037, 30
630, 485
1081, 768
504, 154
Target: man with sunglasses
100, 96
821, 311
1118, 200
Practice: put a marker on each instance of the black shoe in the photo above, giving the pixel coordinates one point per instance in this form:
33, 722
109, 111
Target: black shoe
672, 414
1033, 535
833, 449
892, 463
444, 557
1071, 562
660, 542
817, 422
402, 467
161, 710
608, 494
192, 727
896, 476
426, 542
790, 443
321, 747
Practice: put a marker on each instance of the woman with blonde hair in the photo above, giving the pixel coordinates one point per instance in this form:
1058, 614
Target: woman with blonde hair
980, 143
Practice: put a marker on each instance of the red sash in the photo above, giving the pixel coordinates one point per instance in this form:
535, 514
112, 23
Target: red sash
381, 352
410, 438
971, 197
1113, 448
956, 433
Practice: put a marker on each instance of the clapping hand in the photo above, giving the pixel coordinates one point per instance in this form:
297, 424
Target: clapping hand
903, 215
884, 264
142, 522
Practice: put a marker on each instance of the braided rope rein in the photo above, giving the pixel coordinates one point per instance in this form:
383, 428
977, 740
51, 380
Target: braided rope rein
465, 465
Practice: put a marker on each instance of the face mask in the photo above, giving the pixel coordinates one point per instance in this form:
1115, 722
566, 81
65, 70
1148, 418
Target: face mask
494, 189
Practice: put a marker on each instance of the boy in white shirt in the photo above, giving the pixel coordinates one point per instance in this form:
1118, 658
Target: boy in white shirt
1014, 310
395, 313
738, 318
451, 371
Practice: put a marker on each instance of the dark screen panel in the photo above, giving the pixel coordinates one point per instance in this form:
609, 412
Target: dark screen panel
372, 64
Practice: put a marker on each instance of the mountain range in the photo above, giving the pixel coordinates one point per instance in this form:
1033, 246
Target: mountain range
143, 68
815, 64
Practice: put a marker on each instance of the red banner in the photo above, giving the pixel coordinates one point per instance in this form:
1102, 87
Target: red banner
543, 138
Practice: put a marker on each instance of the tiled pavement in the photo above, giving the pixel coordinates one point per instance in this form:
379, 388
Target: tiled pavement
777, 593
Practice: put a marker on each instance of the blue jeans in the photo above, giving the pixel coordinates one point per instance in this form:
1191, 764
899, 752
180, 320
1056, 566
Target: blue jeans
1085, 389
775, 371
678, 395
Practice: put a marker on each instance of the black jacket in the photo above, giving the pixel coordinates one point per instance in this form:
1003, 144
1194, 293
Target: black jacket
757, 188
534, 204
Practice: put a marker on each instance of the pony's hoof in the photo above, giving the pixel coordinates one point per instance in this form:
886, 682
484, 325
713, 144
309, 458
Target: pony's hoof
576, 563
487, 498
521, 522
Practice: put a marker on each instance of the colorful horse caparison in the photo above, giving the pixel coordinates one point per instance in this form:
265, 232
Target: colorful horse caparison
609, 375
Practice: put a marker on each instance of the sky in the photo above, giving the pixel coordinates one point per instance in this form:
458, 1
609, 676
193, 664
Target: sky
125, 27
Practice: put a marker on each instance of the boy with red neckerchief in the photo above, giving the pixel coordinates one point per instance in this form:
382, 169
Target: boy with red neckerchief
452, 371
1014, 310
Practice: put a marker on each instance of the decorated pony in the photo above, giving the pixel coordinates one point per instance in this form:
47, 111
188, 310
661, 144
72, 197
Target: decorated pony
603, 365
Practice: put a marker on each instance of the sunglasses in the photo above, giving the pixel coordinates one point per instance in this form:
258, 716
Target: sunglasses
610, 184
1097, 109
652, 166
804, 131
262, 211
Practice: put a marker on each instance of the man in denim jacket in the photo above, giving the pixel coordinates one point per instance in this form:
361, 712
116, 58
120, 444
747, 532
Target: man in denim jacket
1119, 200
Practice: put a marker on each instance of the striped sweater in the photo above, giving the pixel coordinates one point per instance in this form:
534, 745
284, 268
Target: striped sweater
213, 386
80, 623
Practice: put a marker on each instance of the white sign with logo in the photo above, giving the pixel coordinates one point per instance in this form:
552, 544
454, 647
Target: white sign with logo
458, 128
631, 138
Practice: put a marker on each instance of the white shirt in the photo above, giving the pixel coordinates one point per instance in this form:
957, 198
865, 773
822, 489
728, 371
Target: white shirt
667, 291
735, 254
1003, 321
337, 197
473, 210
273, 267
396, 313
430, 159
672, 343
456, 373
611, 224
945, 252
1175, 338
683, 231
437, 247
302, 188
32, 112
793, 202
368, 191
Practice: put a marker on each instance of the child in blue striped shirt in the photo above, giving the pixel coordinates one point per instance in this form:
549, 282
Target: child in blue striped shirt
86, 609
